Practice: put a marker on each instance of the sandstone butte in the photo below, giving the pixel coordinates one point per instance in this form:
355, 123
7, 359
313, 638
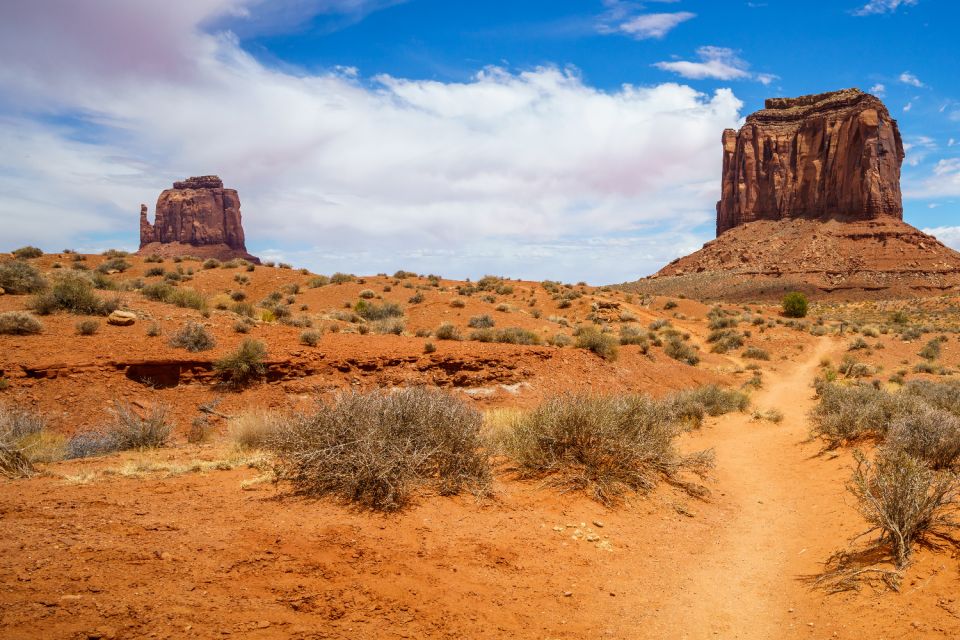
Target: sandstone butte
810, 200
196, 217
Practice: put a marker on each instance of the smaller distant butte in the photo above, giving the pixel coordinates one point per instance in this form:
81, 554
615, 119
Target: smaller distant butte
196, 217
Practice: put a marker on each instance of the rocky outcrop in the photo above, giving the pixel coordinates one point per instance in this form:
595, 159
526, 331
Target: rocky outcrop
834, 154
197, 213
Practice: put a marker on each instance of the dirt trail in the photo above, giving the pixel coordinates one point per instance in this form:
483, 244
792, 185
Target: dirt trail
741, 585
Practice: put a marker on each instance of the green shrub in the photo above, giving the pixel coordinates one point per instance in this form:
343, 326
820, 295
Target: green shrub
19, 323
508, 335
602, 344
187, 298
716, 401
378, 449
429, 347
561, 340
679, 350
193, 337
243, 365
25, 253
211, 263
931, 350
725, 340
373, 311
630, 334
114, 264
416, 298
158, 291
342, 278
73, 293
19, 277
795, 305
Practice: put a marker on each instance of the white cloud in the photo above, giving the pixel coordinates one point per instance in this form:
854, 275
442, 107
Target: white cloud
505, 172
878, 90
907, 107
949, 236
622, 17
943, 181
654, 25
719, 63
908, 78
882, 6
917, 148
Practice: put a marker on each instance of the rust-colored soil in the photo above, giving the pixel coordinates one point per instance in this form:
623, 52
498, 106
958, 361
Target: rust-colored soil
190, 541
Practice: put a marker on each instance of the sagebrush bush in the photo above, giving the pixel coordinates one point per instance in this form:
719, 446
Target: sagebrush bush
310, 338
254, 429
243, 365
508, 335
679, 350
606, 445
73, 293
631, 334
372, 311
87, 327
447, 331
602, 344
17, 428
377, 449
193, 337
715, 400
483, 321
26, 253
931, 350
19, 277
127, 430
902, 498
846, 413
929, 434
755, 353
19, 323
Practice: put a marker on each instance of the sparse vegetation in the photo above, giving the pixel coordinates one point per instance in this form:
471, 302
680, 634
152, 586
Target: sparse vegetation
795, 305
243, 365
602, 344
679, 350
19, 277
26, 253
481, 322
378, 449
193, 337
19, 323
73, 293
87, 327
127, 430
373, 311
447, 331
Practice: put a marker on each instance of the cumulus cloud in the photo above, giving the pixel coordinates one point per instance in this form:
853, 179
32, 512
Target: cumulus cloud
874, 7
943, 181
531, 173
878, 90
719, 63
908, 78
949, 236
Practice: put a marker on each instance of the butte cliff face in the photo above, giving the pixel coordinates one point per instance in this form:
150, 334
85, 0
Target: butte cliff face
810, 201
196, 216
825, 155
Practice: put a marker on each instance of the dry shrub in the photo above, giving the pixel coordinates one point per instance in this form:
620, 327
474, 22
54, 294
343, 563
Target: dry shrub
715, 400
602, 344
848, 413
903, 498
73, 293
17, 276
17, 426
606, 445
19, 323
128, 430
193, 337
254, 429
244, 365
929, 434
679, 350
377, 449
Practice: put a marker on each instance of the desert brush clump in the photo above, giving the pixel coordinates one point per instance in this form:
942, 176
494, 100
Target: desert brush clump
377, 449
19, 323
373, 311
193, 337
74, 293
243, 365
592, 339
507, 335
128, 429
26, 253
254, 429
605, 445
755, 353
447, 331
795, 305
847, 413
18, 428
19, 277
483, 321
903, 499
676, 348
928, 434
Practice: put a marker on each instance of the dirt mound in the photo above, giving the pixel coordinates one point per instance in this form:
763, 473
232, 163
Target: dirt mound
833, 259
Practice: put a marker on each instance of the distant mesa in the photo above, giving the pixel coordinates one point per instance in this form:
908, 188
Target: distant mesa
810, 200
812, 157
196, 217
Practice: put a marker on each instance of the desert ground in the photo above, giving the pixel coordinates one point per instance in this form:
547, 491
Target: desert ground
201, 538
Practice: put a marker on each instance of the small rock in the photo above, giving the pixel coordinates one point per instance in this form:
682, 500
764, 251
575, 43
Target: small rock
122, 318
567, 594
598, 524
2, 291
592, 537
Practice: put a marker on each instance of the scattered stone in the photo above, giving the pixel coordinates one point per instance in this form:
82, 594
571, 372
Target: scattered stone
598, 524
122, 318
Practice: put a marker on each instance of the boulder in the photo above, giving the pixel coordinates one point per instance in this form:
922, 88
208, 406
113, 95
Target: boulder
835, 154
122, 318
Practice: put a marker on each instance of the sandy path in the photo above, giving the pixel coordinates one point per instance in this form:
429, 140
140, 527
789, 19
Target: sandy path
743, 584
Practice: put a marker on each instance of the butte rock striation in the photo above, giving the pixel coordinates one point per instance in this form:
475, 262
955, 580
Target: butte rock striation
810, 200
196, 217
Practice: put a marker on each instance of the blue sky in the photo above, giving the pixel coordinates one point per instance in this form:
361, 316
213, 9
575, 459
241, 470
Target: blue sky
563, 139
